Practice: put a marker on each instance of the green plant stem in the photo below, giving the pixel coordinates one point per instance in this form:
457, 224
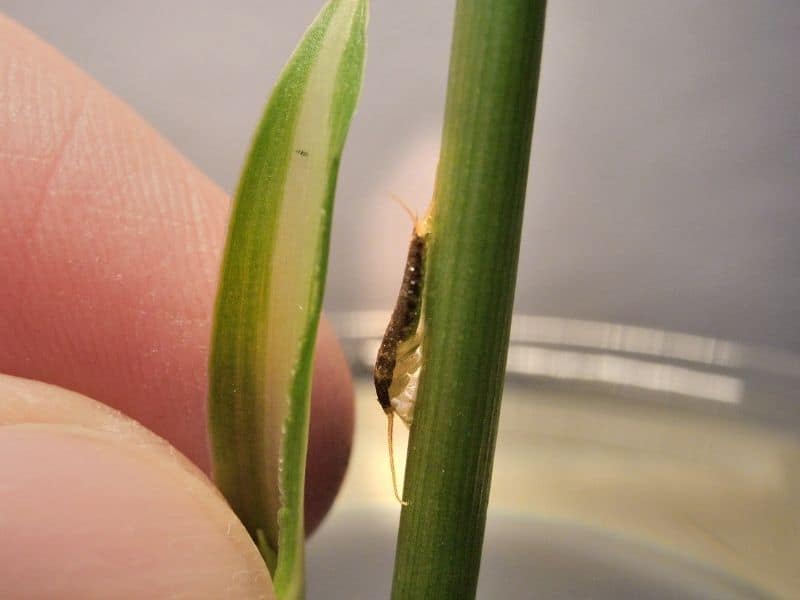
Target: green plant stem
469, 294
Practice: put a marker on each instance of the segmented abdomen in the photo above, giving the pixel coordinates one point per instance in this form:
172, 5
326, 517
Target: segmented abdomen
401, 340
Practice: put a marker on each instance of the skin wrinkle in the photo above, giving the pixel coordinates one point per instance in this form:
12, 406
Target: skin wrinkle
24, 80
51, 172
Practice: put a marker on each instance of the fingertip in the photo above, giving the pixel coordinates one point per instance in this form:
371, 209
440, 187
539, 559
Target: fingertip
110, 512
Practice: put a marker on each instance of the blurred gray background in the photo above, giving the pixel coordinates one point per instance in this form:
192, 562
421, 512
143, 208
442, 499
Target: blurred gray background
665, 178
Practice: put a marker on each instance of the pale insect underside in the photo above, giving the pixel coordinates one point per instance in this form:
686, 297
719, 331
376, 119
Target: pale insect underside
403, 391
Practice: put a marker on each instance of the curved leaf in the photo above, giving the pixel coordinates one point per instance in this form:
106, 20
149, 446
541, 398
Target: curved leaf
271, 285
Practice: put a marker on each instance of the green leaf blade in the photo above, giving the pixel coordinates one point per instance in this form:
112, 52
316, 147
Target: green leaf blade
271, 284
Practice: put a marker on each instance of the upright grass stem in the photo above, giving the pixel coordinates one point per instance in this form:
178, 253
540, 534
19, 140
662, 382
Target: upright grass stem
469, 294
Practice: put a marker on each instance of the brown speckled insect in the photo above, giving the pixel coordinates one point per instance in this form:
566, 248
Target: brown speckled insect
399, 357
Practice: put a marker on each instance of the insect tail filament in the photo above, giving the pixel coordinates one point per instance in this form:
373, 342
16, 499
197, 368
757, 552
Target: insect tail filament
390, 434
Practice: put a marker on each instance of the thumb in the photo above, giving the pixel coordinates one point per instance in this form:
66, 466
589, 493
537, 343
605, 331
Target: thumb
92, 505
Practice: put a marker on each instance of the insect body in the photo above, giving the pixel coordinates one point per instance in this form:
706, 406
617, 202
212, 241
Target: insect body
399, 357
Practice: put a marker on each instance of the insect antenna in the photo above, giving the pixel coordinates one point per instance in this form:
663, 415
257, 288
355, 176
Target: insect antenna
390, 431
407, 208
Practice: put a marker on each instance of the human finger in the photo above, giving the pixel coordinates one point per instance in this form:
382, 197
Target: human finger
92, 505
109, 250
